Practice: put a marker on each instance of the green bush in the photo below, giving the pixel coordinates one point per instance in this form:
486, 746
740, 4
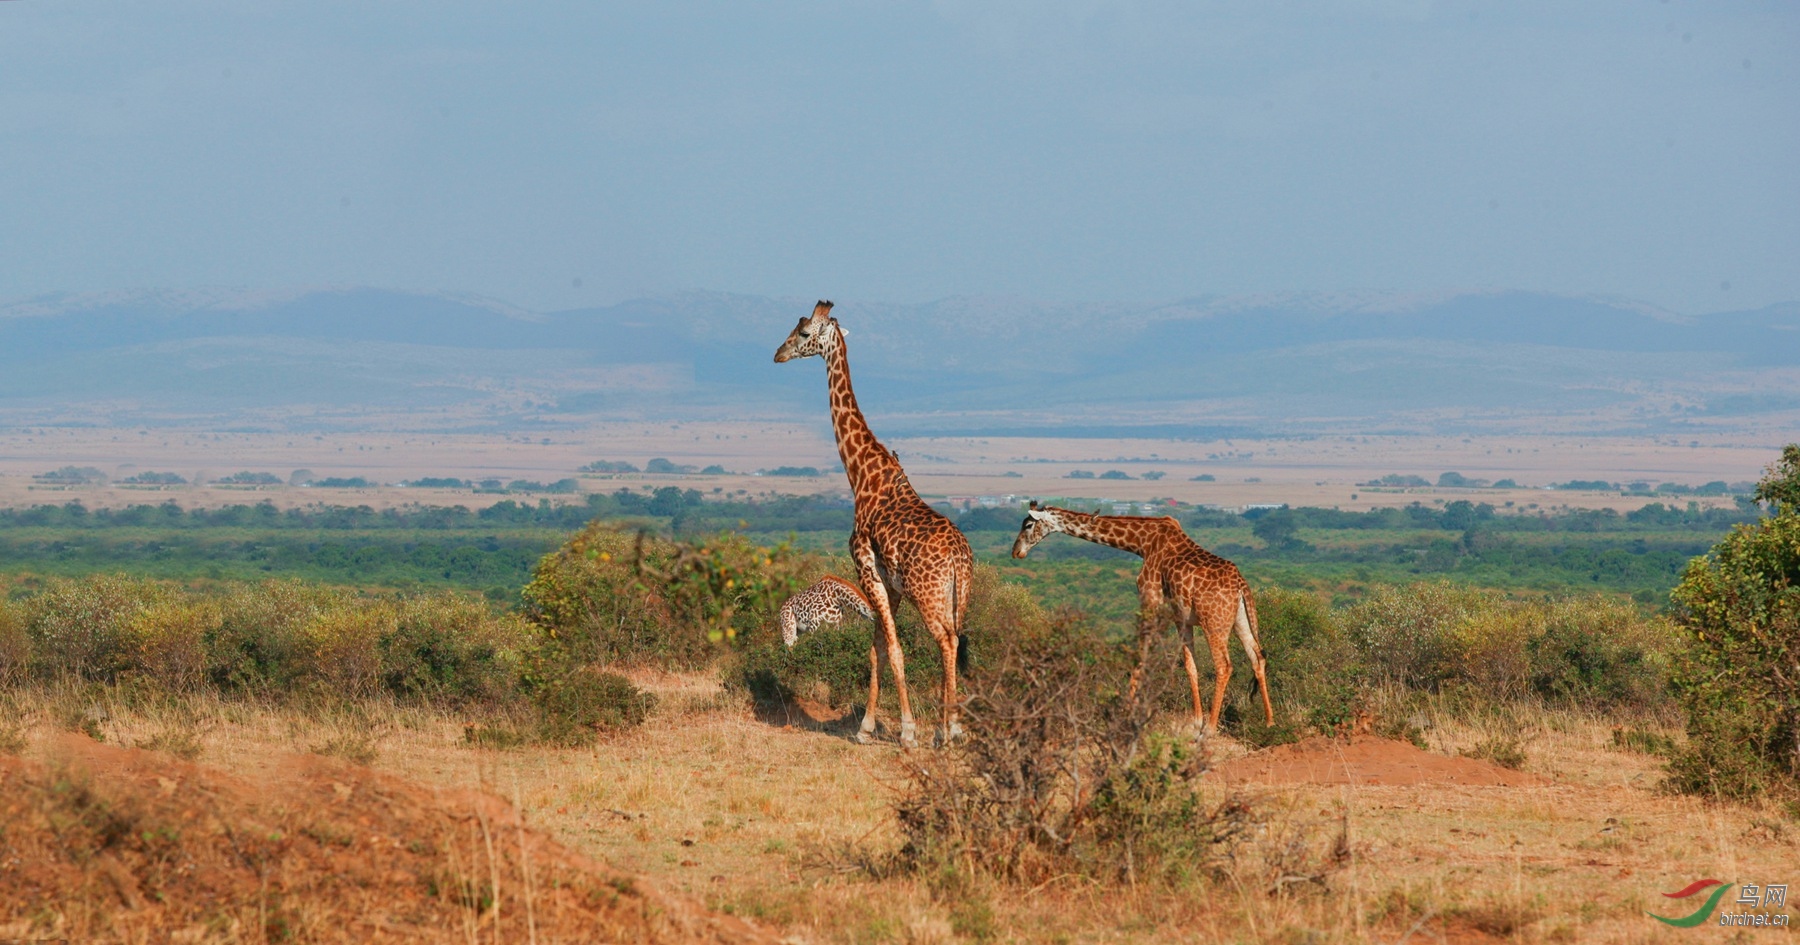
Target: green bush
80, 627
273, 638
261, 641
1310, 659
1594, 651
284, 639
1148, 819
447, 648
15, 645
577, 706
1739, 608
1404, 634
167, 641
342, 652
725, 586
1600, 651
588, 597
831, 662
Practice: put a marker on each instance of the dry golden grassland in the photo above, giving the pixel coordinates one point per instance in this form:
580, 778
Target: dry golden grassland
769, 816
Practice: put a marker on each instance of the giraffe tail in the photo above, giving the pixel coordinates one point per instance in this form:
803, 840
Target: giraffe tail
1246, 630
962, 639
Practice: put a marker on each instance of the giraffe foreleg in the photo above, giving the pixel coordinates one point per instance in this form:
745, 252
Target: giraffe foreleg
1149, 614
1193, 672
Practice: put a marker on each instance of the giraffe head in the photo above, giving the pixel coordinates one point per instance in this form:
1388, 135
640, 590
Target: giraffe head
1039, 522
815, 335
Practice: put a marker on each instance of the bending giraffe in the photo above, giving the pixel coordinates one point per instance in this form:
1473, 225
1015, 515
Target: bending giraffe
827, 602
902, 547
1203, 588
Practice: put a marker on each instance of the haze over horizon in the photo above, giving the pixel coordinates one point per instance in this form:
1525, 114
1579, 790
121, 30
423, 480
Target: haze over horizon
567, 156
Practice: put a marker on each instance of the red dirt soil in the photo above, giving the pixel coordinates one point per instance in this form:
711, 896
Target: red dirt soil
1365, 759
111, 845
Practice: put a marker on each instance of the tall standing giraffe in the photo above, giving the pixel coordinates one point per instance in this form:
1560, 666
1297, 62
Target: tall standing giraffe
901, 546
1203, 588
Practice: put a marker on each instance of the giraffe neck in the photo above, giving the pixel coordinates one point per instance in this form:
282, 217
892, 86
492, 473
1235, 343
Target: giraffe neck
867, 463
1125, 534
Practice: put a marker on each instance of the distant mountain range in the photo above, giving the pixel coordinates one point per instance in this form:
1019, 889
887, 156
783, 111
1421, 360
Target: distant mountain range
1301, 363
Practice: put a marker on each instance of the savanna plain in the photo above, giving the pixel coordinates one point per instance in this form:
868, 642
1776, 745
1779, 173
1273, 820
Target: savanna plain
264, 714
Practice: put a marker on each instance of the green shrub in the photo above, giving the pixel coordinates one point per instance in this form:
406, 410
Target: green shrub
166, 641
1148, 821
1404, 634
1311, 662
1739, 608
343, 648
724, 586
452, 648
1600, 651
80, 627
588, 597
1594, 651
830, 662
575, 707
261, 644
15, 645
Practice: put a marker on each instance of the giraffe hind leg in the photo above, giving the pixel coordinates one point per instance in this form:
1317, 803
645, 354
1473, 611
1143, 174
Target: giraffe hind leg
1222, 673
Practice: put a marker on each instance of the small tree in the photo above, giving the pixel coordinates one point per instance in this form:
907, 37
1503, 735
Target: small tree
1279, 529
1740, 679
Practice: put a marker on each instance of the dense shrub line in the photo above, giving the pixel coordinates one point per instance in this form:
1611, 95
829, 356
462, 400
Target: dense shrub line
290, 640
1456, 516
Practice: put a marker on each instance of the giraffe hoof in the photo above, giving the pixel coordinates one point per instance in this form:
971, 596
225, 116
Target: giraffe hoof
908, 736
864, 737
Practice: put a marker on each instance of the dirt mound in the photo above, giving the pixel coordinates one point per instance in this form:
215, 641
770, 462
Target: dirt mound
108, 844
1365, 759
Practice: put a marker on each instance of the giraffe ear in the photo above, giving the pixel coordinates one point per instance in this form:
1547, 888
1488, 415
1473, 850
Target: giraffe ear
1034, 513
843, 332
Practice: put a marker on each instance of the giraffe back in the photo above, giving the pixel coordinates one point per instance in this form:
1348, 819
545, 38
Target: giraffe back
1202, 583
828, 602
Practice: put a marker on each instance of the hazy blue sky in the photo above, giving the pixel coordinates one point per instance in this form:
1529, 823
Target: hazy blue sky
904, 151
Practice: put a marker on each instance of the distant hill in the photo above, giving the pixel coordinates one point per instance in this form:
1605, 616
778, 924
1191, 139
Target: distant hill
1302, 363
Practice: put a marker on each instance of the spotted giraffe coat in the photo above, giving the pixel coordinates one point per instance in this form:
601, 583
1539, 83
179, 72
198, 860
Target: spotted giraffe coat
827, 602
